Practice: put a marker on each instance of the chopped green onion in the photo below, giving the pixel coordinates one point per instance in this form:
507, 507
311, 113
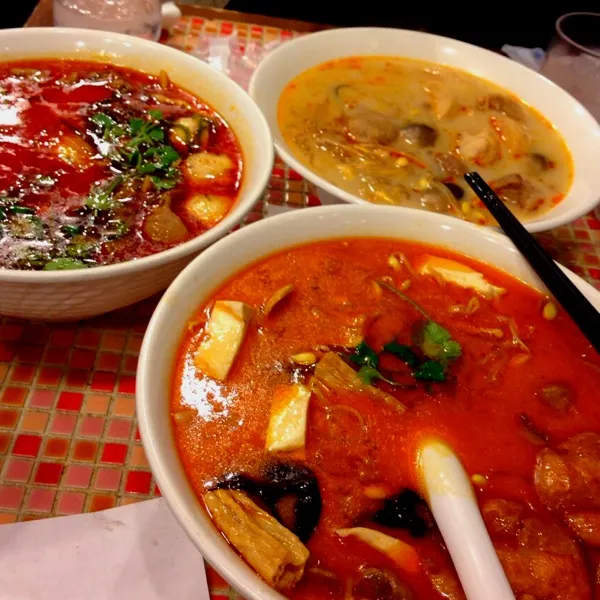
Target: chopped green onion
64, 264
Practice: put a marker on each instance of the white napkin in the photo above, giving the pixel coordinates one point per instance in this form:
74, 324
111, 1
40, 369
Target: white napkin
128, 553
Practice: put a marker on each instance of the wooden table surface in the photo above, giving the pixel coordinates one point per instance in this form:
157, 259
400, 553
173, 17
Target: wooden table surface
42, 17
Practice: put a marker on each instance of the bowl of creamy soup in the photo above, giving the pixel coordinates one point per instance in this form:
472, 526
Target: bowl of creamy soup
398, 117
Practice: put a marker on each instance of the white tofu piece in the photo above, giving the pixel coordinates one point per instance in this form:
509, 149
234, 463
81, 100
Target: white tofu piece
287, 425
223, 338
459, 274
403, 554
204, 166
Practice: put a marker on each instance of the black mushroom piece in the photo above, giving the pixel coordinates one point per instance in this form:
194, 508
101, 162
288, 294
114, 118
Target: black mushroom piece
379, 584
540, 162
406, 510
455, 189
370, 127
557, 395
514, 189
282, 481
418, 134
450, 164
503, 104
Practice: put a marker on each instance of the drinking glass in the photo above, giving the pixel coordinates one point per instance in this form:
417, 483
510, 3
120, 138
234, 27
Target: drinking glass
141, 18
573, 60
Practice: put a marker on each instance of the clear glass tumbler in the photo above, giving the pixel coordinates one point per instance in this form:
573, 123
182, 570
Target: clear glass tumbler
573, 60
141, 18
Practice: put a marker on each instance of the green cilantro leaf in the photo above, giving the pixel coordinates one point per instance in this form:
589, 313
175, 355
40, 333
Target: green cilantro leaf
368, 374
437, 343
103, 120
431, 370
135, 125
156, 114
64, 264
365, 355
402, 352
164, 184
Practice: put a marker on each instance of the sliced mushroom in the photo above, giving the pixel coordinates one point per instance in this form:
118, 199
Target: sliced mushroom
514, 136
539, 163
502, 104
481, 148
514, 189
450, 164
379, 584
370, 127
455, 190
442, 98
419, 134
557, 395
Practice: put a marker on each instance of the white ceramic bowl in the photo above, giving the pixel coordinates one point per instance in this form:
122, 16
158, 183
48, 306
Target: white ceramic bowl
227, 257
579, 129
70, 295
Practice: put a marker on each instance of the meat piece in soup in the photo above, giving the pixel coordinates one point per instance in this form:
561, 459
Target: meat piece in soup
102, 164
306, 383
391, 130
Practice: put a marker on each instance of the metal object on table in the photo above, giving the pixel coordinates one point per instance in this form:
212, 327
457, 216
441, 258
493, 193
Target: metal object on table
141, 18
573, 60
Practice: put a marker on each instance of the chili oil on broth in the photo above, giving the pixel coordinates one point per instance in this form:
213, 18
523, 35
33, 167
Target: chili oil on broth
523, 386
103, 164
403, 132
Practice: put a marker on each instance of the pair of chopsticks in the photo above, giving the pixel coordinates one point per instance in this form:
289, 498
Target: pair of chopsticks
572, 300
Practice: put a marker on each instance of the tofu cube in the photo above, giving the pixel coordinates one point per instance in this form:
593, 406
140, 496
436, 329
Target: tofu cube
223, 339
287, 425
459, 274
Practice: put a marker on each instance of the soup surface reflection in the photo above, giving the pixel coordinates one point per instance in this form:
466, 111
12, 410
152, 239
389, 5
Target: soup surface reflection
403, 132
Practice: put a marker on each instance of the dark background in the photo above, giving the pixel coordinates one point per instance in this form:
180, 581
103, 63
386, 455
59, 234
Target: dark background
488, 24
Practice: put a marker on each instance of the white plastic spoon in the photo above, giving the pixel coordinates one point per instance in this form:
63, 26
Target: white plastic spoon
450, 496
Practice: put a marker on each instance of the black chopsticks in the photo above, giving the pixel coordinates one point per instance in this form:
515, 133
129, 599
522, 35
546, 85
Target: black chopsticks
572, 300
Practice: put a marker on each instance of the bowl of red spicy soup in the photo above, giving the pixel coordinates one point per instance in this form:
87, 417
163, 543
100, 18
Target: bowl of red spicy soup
326, 276
121, 160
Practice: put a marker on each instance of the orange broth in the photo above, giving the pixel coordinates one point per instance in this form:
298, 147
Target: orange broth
476, 413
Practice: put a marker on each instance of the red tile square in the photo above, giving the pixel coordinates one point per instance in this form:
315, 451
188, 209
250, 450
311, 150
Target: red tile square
70, 401
30, 353
88, 339
49, 376
22, 374
56, 448
114, 453
82, 359
27, 445
157, 491
42, 398
11, 331
130, 364
18, 469
11, 496
108, 479
8, 351
108, 361
4, 442
14, 396
85, 450
9, 418
77, 379
78, 476
36, 333
62, 337
127, 384
48, 473
138, 482
56, 356
102, 381
119, 428
63, 424
102, 502
70, 503
40, 500
91, 426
